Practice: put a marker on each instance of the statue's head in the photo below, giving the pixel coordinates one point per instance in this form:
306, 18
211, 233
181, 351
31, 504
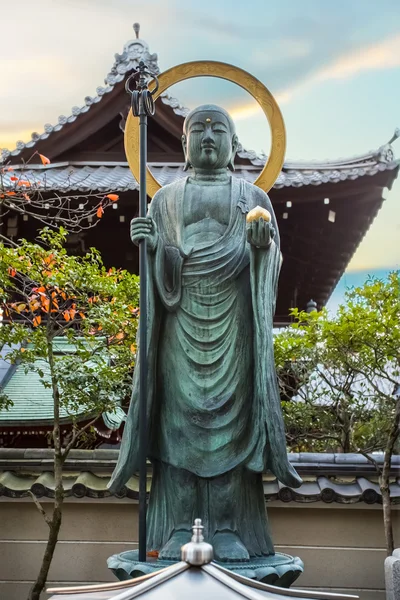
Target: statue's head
209, 138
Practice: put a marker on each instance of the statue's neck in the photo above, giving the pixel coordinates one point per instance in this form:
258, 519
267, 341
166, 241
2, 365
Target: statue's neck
205, 177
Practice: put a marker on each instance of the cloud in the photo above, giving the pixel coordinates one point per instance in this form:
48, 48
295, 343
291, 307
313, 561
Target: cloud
380, 56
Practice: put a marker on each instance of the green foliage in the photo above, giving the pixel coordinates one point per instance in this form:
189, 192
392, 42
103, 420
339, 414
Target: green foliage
342, 371
47, 296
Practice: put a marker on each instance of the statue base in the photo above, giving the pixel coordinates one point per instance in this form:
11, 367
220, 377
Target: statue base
279, 569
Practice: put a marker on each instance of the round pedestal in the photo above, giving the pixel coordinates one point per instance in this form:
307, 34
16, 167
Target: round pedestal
278, 569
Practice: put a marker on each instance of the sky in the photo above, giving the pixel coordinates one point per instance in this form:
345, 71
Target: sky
334, 68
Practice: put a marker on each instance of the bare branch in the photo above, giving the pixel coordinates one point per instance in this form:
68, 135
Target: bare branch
76, 435
40, 508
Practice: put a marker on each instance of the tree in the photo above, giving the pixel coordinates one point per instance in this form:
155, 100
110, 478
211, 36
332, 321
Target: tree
46, 294
24, 193
344, 375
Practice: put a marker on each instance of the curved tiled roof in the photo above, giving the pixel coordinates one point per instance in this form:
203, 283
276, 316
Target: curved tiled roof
330, 478
92, 177
296, 173
134, 51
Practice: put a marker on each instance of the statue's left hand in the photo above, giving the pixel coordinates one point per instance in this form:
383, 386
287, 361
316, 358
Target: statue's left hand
260, 233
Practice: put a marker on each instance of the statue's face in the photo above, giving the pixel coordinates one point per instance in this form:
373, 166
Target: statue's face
209, 142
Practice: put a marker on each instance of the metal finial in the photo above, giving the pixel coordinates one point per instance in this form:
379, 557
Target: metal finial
136, 29
197, 552
197, 532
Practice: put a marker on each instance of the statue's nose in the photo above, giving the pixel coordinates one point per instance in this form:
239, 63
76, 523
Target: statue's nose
208, 137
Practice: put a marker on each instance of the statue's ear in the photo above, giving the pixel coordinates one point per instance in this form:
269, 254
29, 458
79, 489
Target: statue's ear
184, 146
235, 142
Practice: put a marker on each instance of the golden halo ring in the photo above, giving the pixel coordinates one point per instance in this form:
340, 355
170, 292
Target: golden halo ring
207, 68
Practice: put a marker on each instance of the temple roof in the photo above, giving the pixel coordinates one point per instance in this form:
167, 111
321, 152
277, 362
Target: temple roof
103, 175
323, 208
32, 401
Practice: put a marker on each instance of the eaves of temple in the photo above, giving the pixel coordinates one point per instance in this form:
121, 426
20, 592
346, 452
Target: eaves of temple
324, 209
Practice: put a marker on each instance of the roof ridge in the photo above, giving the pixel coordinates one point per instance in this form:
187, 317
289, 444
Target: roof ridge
134, 51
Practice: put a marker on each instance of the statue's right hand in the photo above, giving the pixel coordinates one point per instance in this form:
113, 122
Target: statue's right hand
144, 228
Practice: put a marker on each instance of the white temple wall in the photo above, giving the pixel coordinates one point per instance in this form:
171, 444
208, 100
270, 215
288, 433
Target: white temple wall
342, 546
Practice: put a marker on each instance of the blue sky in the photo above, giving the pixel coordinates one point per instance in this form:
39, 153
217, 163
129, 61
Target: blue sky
333, 66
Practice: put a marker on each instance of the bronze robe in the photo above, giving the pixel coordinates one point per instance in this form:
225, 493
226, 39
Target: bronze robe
213, 398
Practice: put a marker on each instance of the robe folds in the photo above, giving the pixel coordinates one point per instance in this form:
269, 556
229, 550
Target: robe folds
213, 398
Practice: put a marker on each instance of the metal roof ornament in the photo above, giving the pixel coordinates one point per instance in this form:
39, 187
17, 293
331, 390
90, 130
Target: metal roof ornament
197, 552
385, 154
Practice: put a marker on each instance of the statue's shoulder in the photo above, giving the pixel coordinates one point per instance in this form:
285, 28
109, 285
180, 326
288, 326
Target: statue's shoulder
255, 196
168, 190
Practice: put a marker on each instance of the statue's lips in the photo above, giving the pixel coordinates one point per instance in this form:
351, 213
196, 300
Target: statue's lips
208, 147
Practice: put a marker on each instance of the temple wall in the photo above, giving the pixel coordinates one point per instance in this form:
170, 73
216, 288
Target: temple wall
342, 546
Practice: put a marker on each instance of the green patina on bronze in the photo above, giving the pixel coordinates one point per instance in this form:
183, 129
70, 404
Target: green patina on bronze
215, 422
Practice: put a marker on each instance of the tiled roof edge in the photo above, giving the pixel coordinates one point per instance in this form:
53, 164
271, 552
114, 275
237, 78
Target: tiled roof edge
100, 459
85, 484
136, 50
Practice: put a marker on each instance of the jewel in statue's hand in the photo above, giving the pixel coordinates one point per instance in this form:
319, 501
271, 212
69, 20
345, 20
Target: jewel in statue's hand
260, 231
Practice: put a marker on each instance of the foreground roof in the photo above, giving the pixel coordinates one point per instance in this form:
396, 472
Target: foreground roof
328, 478
197, 576
182, 581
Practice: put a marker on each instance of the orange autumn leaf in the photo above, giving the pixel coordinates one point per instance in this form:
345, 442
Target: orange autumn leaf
72, 313
82, 315
24, 182
44, 159
13, 178
66, 315
26, 197
100, 212
10, 193
49, 259
10, 169
112, 197
37, 320
133, 348
119, 336
45, 304
152, 554
11, 271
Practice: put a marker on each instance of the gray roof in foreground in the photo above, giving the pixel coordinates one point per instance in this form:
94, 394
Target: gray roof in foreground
209, 581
